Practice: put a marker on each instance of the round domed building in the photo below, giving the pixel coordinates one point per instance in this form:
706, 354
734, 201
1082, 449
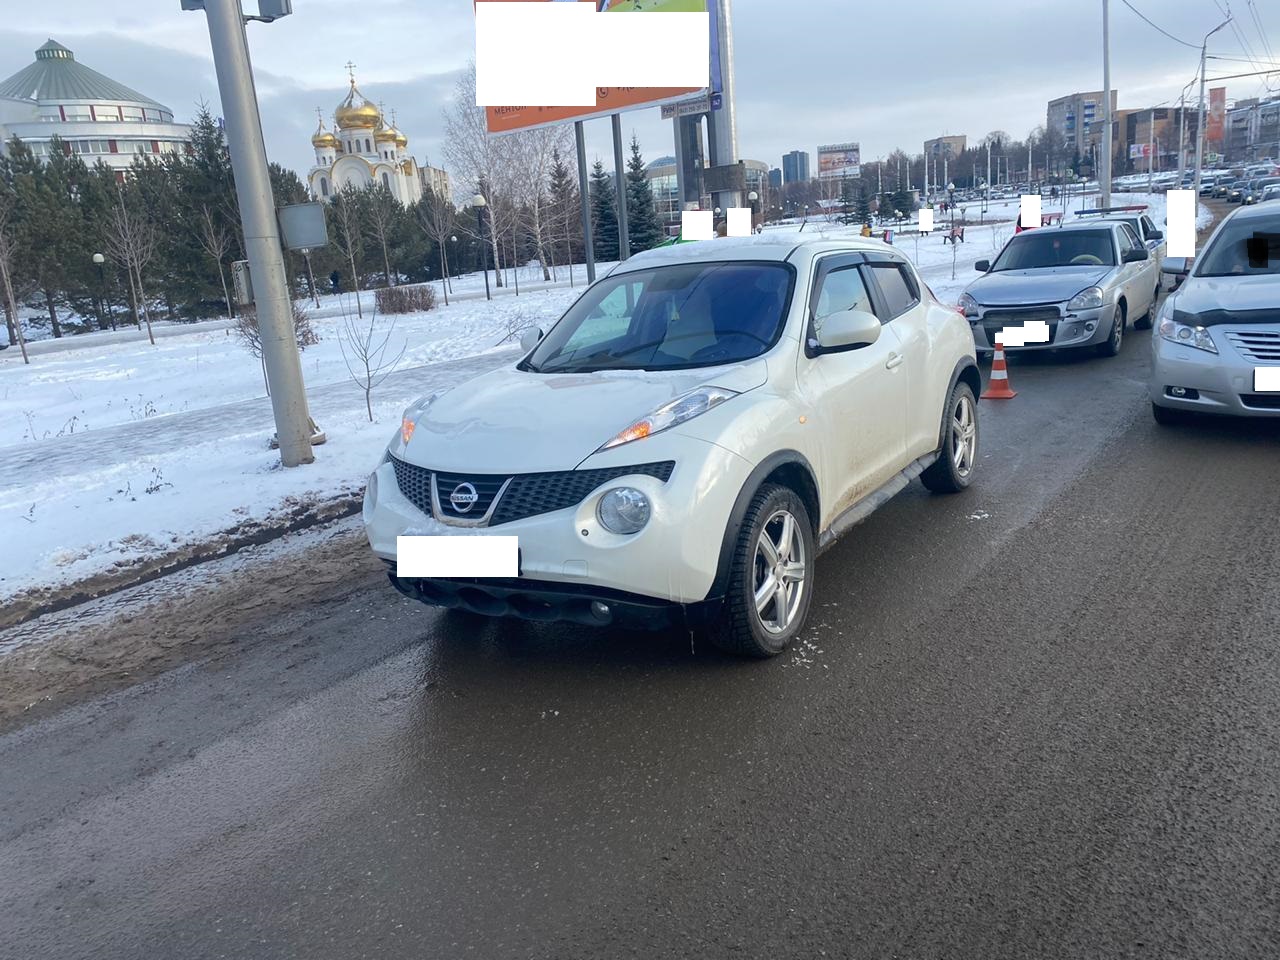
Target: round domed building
362, 150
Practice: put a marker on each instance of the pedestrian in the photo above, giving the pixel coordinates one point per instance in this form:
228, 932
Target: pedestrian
335, 282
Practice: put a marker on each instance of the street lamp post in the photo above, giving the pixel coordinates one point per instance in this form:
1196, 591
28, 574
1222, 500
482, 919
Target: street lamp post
1200, 114
752, 197
448, 270
478, 202
99, 260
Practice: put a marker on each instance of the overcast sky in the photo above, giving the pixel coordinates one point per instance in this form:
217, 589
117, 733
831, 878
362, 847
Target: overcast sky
809, 71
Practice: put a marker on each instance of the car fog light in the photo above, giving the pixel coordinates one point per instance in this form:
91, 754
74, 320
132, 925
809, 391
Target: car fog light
1090, 326
601, 611
623, 510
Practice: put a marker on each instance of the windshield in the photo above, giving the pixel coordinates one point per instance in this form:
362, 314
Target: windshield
1057, 248
670, 318
1245, 248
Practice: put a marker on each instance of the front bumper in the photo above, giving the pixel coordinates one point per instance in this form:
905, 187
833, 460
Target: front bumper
672, 560
1223, 382
1077, 328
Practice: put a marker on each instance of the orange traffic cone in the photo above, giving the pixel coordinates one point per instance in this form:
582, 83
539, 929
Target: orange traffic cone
998, 386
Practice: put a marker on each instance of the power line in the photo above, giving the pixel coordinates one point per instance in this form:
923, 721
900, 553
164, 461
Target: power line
1161, 29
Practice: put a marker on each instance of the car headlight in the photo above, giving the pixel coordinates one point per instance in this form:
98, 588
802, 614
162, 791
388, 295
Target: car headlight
623, 510
673, 413
1186, 334
1090, 299
968, 306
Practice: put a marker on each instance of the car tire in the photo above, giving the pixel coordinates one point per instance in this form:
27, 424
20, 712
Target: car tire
1114, 342
1168, 416
747, 629
953, 470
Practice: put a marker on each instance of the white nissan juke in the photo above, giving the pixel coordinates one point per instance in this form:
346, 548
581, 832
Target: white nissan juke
686, 438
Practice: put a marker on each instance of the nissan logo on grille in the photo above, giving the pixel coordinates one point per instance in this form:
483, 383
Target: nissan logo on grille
463, 498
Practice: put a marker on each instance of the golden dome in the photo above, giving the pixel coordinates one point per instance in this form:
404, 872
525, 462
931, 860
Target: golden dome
357, 113
324, 138
401, 139
387, 135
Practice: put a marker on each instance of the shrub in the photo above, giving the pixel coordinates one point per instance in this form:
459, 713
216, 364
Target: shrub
247, 329
416, 299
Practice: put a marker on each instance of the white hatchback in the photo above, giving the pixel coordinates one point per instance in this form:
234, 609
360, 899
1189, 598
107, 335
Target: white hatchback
682, 443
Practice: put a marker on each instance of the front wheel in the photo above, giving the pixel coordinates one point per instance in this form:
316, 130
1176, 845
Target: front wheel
770, 576
953, 470
1112, 347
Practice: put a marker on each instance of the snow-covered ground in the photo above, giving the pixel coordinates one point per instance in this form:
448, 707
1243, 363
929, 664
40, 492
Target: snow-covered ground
114, 452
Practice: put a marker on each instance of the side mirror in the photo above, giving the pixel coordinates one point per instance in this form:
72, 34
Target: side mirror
982, 266
1178, 266
530, 339
847, 330
1137, 255
1155, 235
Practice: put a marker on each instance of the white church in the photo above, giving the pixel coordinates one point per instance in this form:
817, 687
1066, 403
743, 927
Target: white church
362, 149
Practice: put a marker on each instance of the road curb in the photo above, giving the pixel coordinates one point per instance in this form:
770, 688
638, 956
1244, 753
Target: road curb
31, 604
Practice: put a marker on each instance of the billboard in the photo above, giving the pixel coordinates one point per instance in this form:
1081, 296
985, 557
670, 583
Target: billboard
839, 160
1214, 128
610, 100
1139, 151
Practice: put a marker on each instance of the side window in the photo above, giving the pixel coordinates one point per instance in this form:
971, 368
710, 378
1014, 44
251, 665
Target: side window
1130, 240
1148, 227
841, 289
897, 290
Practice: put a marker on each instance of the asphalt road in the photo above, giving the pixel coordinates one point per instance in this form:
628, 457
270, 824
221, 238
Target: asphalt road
1040, 719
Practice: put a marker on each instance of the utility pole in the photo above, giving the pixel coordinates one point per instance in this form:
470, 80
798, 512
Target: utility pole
280, 357
1200, 119
1182, 135
585, 203
1104, 178
723, 123
1151, 148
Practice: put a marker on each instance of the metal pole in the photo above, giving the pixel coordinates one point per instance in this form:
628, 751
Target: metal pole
261, 231
620, 190
1151, 149
1182, 136
723, 124
484, 252
1200, 119
584, 202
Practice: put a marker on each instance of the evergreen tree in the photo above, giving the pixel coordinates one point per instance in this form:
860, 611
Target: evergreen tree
643, 226
851, 197
903, 203
604, 215
861, 203
564, 201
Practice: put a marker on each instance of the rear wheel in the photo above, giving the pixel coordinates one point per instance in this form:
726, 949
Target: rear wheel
770, 576
1144, 321
1112, 347
953, 470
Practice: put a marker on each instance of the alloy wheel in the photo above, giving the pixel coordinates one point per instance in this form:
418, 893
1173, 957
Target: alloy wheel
780, 572
964, 435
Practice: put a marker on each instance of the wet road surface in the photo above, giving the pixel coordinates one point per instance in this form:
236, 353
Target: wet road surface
1038, 719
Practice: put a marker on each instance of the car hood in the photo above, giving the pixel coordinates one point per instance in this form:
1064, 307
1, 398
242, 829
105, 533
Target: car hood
1223, 300
1047, 285
513, 421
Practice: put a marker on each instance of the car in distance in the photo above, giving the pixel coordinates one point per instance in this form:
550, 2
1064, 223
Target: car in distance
1216, 345
692, 431
1256, 189
1085, 280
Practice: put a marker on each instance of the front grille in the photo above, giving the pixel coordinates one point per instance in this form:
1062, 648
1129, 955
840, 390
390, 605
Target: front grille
486, 488
535, 493
1261, 401
993, 321
414, 483
527, 495
1260, 345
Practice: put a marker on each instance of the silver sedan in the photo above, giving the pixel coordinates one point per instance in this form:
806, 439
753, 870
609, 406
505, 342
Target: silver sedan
1065, 287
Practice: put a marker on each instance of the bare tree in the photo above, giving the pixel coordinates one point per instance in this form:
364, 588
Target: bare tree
365, 354
131, 242
482, 162
346, 219
532, 153
8, 251
381, 210
216, 241
436, 217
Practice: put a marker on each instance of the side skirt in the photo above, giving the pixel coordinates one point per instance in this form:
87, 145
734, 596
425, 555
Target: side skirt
874, 501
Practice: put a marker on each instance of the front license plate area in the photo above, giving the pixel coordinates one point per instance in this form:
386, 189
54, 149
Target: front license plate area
1266, 379
458, 557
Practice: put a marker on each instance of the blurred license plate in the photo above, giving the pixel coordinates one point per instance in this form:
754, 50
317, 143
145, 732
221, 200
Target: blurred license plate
1266, 379
457, 556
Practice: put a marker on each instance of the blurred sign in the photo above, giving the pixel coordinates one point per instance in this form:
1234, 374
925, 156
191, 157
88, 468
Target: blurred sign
839, 160
1139, 151
1216, 125
303, 227
610, 100
725, 179
694, 106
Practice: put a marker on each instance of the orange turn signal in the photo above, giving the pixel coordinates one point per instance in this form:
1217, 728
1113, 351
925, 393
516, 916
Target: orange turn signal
406, 430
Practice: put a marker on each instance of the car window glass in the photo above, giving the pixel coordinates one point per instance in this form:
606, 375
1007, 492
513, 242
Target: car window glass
1128, 239
840, 290
1244, 248
1036, 249
896, 292
612, 316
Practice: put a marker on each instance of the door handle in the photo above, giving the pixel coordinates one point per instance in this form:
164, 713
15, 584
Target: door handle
894, 361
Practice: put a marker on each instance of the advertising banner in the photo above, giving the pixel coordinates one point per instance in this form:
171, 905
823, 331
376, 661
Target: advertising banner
1139, 151
609, 100
839, 160
1216, 124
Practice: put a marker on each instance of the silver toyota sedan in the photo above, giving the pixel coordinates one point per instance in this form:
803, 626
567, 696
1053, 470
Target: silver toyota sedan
1216, 346
1084, 281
